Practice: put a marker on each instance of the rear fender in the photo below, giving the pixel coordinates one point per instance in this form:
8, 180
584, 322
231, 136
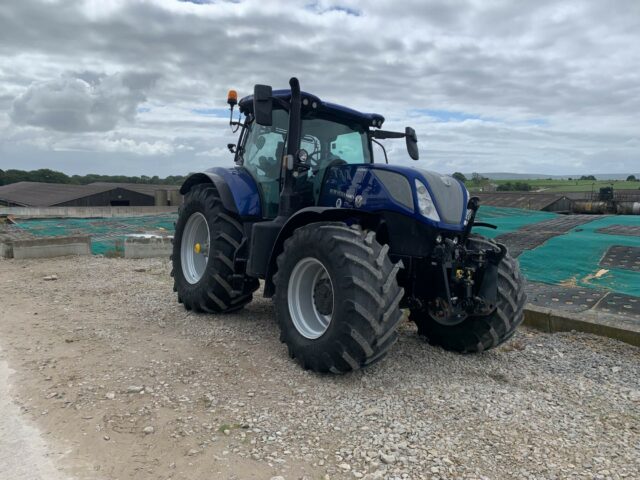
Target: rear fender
311, 215
237, 189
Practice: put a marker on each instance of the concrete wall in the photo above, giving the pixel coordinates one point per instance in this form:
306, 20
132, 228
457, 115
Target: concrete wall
147, 246
168, 197
6, 249
175, 197
598, 323
52, 247
161, 198
84, 212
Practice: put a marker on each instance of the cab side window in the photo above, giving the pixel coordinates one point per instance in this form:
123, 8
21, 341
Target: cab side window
348, 147
262, 157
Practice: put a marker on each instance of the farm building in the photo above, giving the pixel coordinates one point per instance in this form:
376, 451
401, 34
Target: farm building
37, 194
548, 202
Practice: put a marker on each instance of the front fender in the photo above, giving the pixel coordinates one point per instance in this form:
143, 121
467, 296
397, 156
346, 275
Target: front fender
304, 217
237, 189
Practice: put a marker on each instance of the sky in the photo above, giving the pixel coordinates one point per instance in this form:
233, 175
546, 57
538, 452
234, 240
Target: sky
138, 87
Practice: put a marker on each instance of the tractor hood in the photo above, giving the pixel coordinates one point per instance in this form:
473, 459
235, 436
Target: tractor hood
379, 187
448, 194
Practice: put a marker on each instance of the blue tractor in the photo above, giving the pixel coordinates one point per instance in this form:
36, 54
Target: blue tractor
342, 244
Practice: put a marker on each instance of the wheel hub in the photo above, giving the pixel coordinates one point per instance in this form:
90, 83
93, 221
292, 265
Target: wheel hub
194, 250
201, 249
310, 297
323, 296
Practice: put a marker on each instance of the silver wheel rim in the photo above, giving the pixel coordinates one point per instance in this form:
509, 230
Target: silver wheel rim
194, 248
304, 283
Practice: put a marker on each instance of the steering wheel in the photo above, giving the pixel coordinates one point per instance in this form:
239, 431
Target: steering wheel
314, 162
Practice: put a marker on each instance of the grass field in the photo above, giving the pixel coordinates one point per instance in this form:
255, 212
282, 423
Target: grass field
570, 185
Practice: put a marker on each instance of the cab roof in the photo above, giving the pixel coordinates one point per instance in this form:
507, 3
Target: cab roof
367, 119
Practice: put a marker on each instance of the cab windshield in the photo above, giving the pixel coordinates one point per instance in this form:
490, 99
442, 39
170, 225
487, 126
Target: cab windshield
327, 141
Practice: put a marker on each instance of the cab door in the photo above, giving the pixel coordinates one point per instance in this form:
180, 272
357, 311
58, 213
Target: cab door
263, 150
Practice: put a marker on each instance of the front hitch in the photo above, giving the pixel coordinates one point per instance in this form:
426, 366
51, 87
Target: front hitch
469, 282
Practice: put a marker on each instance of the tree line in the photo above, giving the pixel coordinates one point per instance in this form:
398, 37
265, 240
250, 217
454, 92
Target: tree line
52, 176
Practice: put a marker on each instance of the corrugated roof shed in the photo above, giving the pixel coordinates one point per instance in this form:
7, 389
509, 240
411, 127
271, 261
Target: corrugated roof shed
577, 195
143, 188
528, 200
40, 194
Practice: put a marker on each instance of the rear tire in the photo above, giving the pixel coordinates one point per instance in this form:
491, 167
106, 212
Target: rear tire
476, 334
355, 291
207, 286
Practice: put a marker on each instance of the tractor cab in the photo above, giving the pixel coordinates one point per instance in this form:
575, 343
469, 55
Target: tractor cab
326, 135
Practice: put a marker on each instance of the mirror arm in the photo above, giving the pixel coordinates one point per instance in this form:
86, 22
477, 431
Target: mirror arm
239, 155
382, 134
233, 123
386, 160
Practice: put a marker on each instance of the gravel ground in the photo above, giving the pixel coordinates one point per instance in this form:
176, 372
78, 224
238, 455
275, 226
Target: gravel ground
123, 383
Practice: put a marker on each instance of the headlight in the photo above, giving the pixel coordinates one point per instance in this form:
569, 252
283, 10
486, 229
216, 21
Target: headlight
425, 203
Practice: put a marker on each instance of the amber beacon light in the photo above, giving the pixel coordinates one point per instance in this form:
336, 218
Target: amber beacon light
232, 97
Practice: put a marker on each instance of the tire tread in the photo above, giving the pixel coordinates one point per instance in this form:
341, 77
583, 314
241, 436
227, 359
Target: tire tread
226, 233
367, 329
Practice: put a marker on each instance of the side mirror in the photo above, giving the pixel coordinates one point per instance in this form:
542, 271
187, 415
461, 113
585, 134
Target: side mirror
262, 105
412, 143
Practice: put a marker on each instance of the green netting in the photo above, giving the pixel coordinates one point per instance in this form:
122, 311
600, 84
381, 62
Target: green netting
570, 259
107, 234
573, 258
508, 219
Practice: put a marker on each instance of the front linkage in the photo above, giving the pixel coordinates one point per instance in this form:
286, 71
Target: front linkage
469, 281
465, 274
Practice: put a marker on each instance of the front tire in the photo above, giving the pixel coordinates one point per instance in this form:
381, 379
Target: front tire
479, 333
336, 297
207, 237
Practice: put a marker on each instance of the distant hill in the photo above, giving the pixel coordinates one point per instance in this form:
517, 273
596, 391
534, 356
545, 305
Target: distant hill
542, 176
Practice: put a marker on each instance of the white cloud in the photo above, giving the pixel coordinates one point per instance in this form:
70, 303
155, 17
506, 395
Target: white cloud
85, 102
118, 145
546, 87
